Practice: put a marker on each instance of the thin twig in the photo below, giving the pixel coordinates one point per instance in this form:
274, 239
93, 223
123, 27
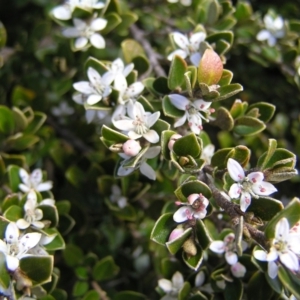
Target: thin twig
138, 34
98, 289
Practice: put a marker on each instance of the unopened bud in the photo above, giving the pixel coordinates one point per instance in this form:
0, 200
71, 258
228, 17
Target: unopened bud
172, 140
131, 147
189, 247
183, 160
116, 147
176, 233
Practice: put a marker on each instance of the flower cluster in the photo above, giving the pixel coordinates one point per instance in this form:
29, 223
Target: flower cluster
248, 186
285, 248
85, 32
194, 111
195, 208
227, 246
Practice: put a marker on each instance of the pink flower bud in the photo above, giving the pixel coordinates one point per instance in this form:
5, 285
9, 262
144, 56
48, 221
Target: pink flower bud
131, 148
238, 270
172, 140
175, 234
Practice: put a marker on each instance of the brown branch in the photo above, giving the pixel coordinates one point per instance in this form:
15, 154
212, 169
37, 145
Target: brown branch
138, 34
100, 292
234, 212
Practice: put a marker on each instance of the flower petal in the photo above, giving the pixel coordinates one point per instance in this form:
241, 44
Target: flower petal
231, 257
151, 119
24, 176
71, 32
282, 229
165, 285
195, 59
22, 224
97, 41
180, 40
177, 280
245, 201
182, 213
180, 121
290, 260
98, 24
263, 188
151, 136
272, 269
80, 42
28, 241
62, 12
217, 247
12, 233
152, 152
93, 99
44, 186
179, 52
260, 255
179, 101
12, 262
147, 171
235, 170
263, 35
235, 191
84, 87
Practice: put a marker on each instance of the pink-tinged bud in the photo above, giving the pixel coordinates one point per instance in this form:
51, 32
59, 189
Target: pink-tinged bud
178, 203
175, 234
191, 198
172, 140
131, 148
238, 270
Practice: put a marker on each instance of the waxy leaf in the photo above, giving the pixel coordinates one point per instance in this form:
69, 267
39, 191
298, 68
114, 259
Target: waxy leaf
247, 126
7, 124
290, 281
187, 145
192, 187
4, 276
193, 262
266, 110
105, 269
176, 74
175, 245
162, 229
259, 288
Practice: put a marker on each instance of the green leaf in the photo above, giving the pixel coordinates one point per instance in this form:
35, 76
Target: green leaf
105, 269
187, 145
91, 295
20, 119
176, 73
2, 35
226, 78
4, 276
259, 288
184, 291
223, 35
162, 229
223, 119
243, 11
265, 207
290, 281
141, 64
125, 295
13, 213
50, 213
238, 108
247, 126
213, 12
113, 135
210, 68
7, 124
11, 199
169, 109
80, 288
73, 255
21, 142
160, 85
36, 123
291, 212
165, 138
75, 175
234, 290
226, 92
37, 268
266, 110
192, 187
57, 244
203, 234
193, 262
63, 206
175, 245
113, 20
131, 49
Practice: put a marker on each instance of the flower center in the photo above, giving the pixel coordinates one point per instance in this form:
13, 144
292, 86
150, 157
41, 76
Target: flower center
140, 126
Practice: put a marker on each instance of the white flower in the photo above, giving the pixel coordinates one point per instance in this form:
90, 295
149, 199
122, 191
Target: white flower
39, 249
193, 111
207, 153
188, 47
238, 270
145, 168
247, 186
96, 88
274, 30
118, 67
33, 181
64, 12
63, 109
33, 214
116, 196
226, 246
183, 2
126, 92
16, 247
139, 123
86, 32
195, 208
171, 288
177, 232
285, 247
